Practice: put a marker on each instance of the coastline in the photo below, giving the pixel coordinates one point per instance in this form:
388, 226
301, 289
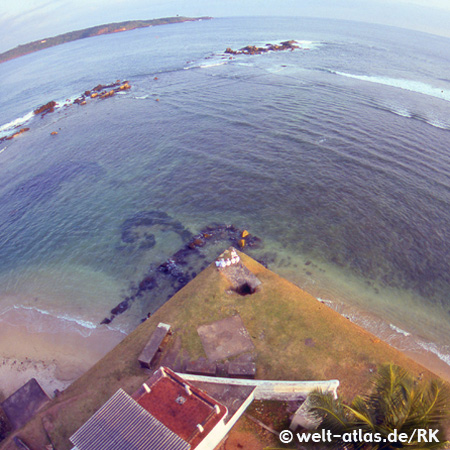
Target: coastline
408, 331
58, 357
311, 341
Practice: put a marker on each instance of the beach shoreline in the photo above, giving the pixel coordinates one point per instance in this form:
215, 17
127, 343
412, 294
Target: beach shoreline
57, 358
283, 320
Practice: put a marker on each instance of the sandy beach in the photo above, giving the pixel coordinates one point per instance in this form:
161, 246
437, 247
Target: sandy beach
55, 359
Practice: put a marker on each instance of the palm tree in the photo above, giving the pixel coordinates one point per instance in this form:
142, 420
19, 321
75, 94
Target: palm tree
398, 403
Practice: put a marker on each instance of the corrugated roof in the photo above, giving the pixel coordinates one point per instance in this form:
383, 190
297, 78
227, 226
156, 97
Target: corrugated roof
122, 424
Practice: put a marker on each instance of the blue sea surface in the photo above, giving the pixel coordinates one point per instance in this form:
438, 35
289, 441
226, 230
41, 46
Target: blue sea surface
336, 155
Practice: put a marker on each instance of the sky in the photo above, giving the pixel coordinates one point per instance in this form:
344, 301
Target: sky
23, 21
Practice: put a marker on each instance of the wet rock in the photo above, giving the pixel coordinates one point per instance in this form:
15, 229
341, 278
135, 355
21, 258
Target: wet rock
107, 94
147, 284
45, 109
165, 279
254, 242
197, 242
254, 50
170, 267
121, 307
105, 321
79, 100
124, 86
231, 51
17, 133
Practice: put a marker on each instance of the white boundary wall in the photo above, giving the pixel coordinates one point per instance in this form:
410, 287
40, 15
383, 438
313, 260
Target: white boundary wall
271, 389
221, 430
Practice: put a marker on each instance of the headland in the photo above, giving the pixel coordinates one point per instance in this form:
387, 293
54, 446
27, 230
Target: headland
98, 30
295, 337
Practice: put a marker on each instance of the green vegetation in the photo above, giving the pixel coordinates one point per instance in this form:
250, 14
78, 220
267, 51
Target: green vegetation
399, 403
109, 28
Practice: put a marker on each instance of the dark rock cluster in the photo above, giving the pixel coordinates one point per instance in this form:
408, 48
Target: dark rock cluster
45, 109
103, 91
253, 50
171, 275
12, 136
100, 91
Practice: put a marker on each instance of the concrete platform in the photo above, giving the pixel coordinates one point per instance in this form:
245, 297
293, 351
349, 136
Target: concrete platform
225, 338
201, 367
238, 369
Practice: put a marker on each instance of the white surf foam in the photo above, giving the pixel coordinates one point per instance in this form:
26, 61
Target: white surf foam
309, 45
83, 323
399, 330
407, 85
84, 327
7, 127
213, 64
433, 348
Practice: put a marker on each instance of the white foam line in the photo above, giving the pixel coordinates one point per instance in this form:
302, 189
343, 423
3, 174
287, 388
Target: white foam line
407, 85
83, 323
3, 149
207, 66
431, 347
399, 330
16, 122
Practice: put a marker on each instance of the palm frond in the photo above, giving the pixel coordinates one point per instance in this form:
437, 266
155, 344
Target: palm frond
397, 402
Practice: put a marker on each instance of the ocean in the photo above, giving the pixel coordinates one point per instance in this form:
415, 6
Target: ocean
336, 155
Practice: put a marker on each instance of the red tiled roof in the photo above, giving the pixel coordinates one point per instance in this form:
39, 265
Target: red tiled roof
170, 402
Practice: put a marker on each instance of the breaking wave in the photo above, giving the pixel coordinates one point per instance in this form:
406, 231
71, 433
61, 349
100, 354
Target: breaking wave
8, 127
407, 85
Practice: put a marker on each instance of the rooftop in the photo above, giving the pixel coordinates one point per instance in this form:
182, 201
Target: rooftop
183, 408
122, 424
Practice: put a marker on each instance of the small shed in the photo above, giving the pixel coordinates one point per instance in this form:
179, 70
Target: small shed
21, 406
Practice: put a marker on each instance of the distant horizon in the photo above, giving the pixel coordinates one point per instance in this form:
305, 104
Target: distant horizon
215, 18
32, 20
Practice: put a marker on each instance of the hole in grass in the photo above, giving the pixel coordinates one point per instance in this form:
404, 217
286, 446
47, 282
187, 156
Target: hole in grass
245, 289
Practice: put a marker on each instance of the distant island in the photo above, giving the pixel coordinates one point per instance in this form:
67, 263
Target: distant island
108, 28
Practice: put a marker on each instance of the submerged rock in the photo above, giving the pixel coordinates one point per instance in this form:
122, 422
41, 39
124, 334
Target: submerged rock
165, 279
133, 228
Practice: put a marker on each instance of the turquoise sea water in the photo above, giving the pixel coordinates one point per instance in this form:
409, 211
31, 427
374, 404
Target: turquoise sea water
336, 155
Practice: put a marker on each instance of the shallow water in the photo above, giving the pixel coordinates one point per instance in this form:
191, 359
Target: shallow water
336, 155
